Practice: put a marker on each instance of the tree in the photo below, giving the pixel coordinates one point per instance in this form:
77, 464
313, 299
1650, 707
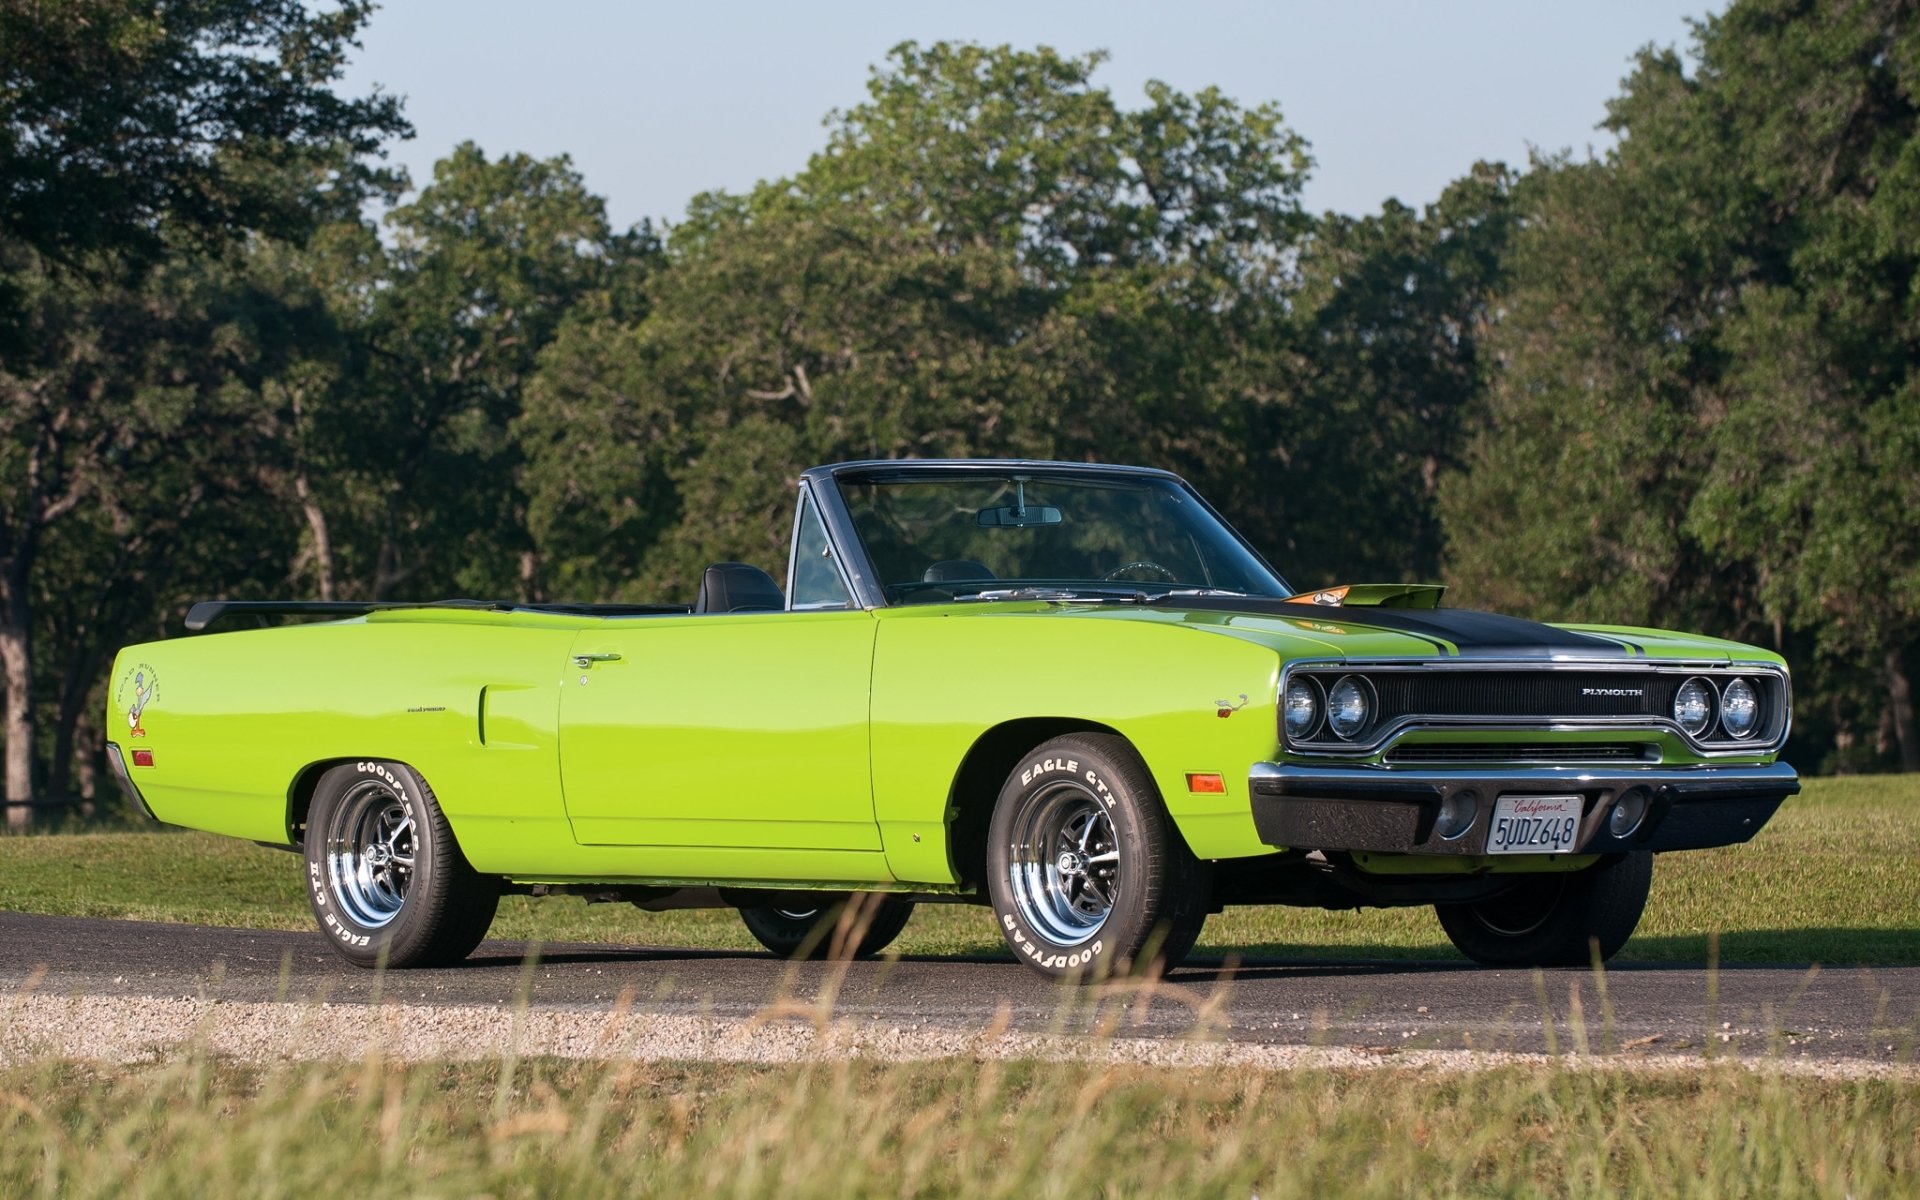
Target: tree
1711, 359
990, 256
128, 429
1388, 322
119, 117
129, 129
488, 262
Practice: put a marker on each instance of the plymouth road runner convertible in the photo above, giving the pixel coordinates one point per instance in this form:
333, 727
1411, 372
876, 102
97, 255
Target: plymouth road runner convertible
1070, 692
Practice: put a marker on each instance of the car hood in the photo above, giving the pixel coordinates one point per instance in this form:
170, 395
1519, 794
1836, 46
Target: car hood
1366, 632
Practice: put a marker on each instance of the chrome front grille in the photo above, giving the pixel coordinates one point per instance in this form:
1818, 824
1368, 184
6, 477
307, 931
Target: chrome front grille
1629, 700
1522, 752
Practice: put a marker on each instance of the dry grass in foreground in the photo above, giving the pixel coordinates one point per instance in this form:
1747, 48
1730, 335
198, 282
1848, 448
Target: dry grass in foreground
201, 1126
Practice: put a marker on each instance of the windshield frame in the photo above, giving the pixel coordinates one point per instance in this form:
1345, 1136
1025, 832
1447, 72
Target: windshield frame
868, 588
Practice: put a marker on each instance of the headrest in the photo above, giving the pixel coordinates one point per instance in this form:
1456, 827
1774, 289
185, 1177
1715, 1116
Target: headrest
956, 570
736, 587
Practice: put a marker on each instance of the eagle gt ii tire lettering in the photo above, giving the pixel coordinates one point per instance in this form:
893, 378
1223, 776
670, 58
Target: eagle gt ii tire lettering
384, 875
1086, 874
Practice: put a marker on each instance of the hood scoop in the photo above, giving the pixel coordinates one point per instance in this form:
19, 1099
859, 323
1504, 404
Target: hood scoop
1373, 595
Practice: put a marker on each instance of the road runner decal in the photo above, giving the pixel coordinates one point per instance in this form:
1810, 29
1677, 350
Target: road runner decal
138, 689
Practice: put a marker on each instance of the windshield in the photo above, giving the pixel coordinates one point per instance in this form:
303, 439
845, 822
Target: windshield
989, 535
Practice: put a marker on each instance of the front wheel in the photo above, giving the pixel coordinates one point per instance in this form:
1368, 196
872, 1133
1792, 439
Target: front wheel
1087, 875
384, 875
1554, 920
822, 927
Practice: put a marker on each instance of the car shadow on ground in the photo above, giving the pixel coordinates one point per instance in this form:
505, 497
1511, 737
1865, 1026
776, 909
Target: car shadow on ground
1741, 951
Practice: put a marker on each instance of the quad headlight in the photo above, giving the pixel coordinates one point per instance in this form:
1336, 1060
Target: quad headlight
1693, 707
1739, 709
1302, 708
1349, 706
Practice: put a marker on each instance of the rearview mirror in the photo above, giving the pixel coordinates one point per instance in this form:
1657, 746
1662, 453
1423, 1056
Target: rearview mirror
1032, 514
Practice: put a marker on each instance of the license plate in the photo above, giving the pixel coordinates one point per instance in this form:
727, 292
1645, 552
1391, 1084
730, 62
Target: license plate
1534, 825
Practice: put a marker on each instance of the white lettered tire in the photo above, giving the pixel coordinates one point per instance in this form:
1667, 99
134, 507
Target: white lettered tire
385, 878
1087, 876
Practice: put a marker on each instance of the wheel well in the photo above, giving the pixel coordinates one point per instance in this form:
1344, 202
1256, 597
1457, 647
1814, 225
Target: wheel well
300, 796
977, 785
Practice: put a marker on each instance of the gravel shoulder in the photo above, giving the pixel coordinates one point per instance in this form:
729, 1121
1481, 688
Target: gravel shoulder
143, 1029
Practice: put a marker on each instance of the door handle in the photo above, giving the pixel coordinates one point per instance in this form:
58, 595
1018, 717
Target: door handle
584, 661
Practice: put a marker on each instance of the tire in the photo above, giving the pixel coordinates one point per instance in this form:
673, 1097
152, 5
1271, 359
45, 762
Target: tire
809, 927
1550, 920
1087, 876
366, 820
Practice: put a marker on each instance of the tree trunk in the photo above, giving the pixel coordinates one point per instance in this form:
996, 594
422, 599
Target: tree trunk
76, 684
530, 590
322, 541
91, 751
16, 683
1900, 707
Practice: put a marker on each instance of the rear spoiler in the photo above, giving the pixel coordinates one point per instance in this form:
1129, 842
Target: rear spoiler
206, 612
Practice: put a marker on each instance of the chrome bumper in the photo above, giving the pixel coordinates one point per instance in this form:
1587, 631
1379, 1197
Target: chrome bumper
118, 767
1393, 810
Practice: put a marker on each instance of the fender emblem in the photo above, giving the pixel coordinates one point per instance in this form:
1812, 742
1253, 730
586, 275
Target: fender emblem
1227, 709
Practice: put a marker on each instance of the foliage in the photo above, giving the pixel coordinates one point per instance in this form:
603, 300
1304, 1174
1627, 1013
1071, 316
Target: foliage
119, 117
134, 135
990, 257
1673, 384
1708, 403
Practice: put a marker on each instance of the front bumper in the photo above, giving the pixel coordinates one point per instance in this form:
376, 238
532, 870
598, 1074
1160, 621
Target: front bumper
1393, 810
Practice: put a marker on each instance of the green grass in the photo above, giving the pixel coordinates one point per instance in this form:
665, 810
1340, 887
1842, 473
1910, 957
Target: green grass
199, 1126
1834, 878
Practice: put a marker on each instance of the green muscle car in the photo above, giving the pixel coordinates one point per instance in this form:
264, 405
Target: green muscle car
1070, 692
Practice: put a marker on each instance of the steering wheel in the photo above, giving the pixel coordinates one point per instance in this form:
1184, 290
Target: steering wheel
1141, 564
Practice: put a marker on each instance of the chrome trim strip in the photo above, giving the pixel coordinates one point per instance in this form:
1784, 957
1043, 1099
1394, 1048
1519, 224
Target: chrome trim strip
1390, 734
807, 498
118, 768
1710, 775
1408, 754
855, 567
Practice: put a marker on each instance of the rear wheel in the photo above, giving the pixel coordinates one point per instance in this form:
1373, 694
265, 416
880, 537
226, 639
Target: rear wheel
812, 927
1554, 920
1086, 873
384, 874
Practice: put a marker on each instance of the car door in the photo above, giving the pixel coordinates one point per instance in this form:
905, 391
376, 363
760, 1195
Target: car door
733, 731
721, 730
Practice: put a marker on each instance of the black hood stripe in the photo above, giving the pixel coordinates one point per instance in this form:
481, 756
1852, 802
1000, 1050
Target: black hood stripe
1476, 634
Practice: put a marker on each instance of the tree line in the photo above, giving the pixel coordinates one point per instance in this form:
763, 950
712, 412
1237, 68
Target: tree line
1674, 384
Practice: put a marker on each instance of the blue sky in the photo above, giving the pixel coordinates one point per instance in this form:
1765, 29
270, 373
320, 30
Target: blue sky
656, 102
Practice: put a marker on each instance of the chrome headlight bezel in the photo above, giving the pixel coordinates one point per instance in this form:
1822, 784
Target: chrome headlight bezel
1361, 688
1739, 695
1696, 720
1316, 707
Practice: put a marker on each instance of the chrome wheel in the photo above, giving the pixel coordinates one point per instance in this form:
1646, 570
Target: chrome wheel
370, 845
1063, 865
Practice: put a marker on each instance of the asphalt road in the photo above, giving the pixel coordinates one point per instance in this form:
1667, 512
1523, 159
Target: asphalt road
1827, 1013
